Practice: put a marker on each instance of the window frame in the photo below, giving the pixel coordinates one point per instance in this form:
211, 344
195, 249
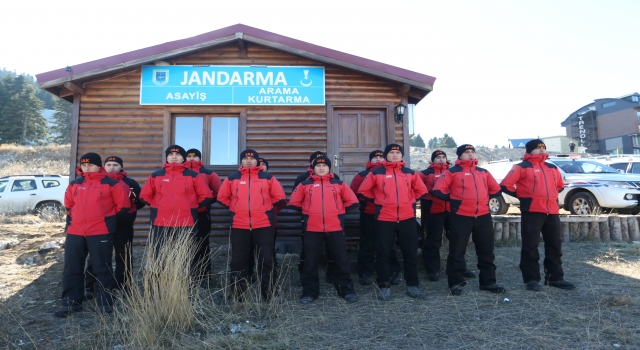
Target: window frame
206, 134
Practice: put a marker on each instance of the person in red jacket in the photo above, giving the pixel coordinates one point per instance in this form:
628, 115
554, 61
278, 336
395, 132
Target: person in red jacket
174, 195
203, 255
468, 189
123, 239
435, 217
251, 195
367, 249
323, 201
395, 189
94, 204
537, 185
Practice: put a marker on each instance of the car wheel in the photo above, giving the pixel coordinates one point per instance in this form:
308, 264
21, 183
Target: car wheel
583, 203
50, 211
497, 206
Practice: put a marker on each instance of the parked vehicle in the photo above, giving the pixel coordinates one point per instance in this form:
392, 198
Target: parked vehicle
625, 163
590, 186
39, 194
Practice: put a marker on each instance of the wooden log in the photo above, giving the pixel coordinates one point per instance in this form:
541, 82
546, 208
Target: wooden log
584, 230
624, 228
505, 231
594, 231
497, 234
513, 230
566, 236
634, 228
616, 231
605, 235
518, 231
574, 231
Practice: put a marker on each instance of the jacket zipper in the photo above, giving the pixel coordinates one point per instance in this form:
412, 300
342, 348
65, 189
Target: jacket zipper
535, 179
324, 226
546, 187
462, 187
395, 179
249, 199
335, 198
477, 196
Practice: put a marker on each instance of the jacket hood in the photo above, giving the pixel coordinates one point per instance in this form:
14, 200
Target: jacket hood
535, 158
442, 167
194, 164
250, 169
174, 166
371, 166
118, 176
98, 175
327, 177
392, 165
467, 163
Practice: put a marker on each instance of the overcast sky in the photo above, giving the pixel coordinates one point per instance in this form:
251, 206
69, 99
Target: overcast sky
504, 69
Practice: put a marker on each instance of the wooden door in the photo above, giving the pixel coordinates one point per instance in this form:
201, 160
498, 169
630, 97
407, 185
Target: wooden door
356, 132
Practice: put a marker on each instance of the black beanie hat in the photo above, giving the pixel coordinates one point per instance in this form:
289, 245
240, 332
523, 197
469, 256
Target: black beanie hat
91, 158
194, 152
437, 153
463, 148
262, 160
114, 159
249, 153
315, 155
391, 147
376, 153
533, 144
322, 159
175, 148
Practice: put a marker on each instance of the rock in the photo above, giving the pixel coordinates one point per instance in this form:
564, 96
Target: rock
48, 246
4, 245
30, 259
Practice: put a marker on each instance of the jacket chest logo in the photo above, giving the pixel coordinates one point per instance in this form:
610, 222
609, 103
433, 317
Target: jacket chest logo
467, 174
243, 182
436, 176
82, 188
536, 170
389, 176
316, 185
165, 180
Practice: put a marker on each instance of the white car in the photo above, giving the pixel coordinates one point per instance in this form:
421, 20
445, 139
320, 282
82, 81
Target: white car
40, 194
625, 163
589, 186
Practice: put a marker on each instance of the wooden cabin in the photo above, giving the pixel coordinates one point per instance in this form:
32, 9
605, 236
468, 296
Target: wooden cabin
124, 105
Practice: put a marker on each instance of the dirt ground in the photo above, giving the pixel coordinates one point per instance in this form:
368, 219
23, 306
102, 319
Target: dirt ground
602, 313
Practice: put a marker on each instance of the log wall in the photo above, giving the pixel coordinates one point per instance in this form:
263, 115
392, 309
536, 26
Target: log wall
112, 122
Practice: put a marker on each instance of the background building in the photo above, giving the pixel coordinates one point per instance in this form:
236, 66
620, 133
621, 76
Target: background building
608, 125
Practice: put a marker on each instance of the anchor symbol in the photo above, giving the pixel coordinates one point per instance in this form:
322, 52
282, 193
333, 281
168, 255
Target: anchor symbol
306, 77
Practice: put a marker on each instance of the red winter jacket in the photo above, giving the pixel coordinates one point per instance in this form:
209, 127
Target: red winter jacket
323, 201
210, 178
133, 189
251, 195
430, 176
535, 183
394, 189
94, 204
366, 207
174, 194
467, 187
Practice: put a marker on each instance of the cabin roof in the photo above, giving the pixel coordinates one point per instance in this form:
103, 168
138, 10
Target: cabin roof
53, 81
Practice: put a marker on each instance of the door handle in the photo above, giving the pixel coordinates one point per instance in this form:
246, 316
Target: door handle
33, 194
335, 160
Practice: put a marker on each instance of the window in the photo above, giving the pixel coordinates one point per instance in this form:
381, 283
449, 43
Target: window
620, 166
635, 168
3, 185
634, 98
608, 104
636, 151
23, 185
638, 114
635, 139
215, 136
50, 183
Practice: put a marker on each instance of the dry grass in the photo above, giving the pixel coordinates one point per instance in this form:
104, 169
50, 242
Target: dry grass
603, 311
50, 159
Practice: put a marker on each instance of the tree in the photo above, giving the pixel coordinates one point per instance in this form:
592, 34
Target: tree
417, 141
61, 129
20, 118
447, 142
433, 143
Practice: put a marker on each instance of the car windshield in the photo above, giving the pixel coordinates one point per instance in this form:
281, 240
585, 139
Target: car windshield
584, 167
3, 185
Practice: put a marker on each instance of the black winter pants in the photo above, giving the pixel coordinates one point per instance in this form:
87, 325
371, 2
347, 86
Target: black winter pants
367, 250
203, 254
122, 245
337, 243
434, 224
549, 225
330, 265
481, 231
77, 248
241, 243
386, 235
